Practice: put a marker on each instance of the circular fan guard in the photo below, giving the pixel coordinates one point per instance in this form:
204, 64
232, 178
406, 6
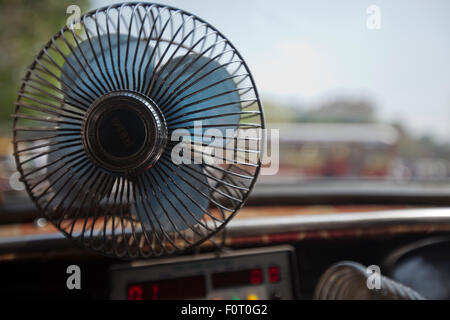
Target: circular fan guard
94, 124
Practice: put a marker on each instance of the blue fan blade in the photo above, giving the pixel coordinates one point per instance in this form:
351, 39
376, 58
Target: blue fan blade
76, 75
108, 70
158, 212
210, 94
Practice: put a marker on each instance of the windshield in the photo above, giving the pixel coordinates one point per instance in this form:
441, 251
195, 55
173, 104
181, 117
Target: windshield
358, 91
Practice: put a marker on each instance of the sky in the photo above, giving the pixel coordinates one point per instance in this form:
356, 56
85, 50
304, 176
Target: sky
311, 52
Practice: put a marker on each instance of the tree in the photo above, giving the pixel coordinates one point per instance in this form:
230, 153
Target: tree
25, 26
346, 111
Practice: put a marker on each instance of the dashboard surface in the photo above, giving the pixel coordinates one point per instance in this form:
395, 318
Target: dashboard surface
34, 257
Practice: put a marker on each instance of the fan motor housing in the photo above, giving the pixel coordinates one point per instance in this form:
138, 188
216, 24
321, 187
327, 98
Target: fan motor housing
124, 132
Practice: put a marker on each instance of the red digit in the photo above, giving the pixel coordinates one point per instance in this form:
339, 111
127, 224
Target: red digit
135, 292
256, 276
274, 274
155, 292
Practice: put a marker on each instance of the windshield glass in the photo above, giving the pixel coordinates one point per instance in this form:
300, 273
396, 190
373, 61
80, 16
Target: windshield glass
358, 91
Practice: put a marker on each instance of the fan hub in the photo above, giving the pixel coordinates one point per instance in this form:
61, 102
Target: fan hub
124, 132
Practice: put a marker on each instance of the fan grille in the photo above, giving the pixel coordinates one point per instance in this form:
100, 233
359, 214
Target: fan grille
193, 74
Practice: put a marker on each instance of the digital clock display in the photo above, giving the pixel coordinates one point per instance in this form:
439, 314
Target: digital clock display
171, 289
237, 278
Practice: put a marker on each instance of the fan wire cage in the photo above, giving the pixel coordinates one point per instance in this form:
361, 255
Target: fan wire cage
176, 71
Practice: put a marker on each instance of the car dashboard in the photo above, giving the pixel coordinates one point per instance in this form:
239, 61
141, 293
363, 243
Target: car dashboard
266, 252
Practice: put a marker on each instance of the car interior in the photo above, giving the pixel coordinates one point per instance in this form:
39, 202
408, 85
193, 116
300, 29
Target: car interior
300, 151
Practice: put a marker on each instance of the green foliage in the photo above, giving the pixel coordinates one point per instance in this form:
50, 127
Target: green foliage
25, 26
342, 111
279, 114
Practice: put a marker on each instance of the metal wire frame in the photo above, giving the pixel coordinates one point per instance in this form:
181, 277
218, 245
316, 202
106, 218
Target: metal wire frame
115, 215
348, 281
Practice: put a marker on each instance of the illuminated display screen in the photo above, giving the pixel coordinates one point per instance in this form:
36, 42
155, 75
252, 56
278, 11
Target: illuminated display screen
172, 289
237, 278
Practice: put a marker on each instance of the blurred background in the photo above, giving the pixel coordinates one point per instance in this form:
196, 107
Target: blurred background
352, 102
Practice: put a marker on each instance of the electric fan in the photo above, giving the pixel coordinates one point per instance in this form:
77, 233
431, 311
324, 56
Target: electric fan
138, 134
